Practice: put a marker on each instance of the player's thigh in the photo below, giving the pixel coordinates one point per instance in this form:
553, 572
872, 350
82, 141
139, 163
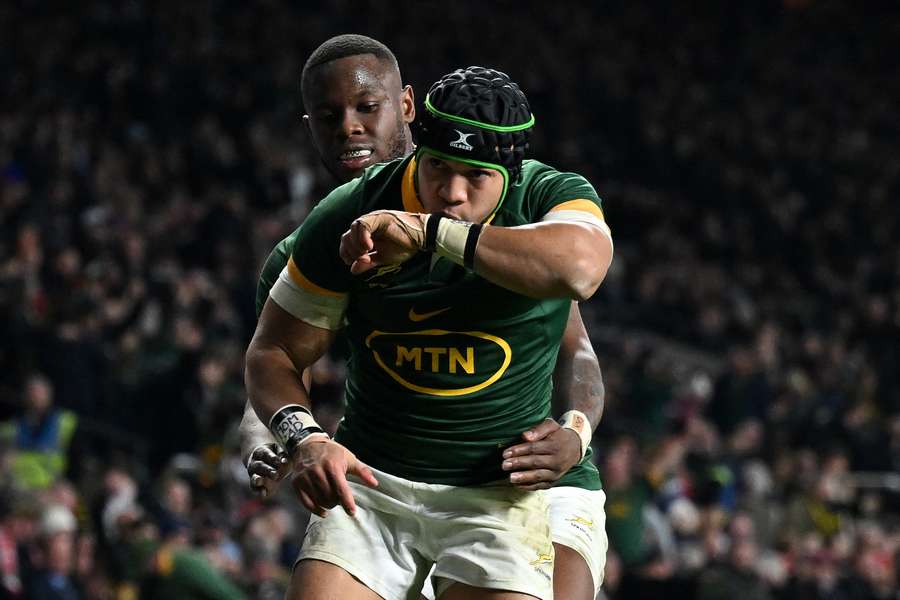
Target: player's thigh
578, 524
461, 591
572, 577
318, 580
499, 539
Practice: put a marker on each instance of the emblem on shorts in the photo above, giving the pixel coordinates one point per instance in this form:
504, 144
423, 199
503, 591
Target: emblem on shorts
582, 520
542, 559
463, 142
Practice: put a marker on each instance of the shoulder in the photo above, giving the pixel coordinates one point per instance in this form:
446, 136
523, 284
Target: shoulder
542, 189
541, 179
361, 195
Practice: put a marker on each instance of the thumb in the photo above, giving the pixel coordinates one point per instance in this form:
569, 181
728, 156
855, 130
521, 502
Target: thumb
362, 264
362, 470
541, 430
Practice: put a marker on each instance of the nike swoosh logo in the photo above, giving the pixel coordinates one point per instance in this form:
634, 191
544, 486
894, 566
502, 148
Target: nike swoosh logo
582, 520
416, 317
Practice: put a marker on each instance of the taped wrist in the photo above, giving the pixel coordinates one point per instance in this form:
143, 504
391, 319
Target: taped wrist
293, 425
578, 422
454, 240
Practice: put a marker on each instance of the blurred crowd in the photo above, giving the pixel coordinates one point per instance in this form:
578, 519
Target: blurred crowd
151, 154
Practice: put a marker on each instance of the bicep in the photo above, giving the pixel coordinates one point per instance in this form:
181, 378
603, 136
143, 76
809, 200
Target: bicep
301, 342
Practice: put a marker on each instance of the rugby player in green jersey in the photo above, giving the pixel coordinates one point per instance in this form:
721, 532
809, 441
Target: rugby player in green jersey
578, 518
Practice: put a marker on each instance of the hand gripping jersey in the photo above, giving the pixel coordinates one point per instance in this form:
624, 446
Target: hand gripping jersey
446, 369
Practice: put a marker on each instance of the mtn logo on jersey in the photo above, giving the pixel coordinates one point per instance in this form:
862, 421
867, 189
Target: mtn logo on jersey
439, 362
463, 142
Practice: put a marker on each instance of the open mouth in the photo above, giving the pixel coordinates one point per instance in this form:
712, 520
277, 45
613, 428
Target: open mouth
356, 159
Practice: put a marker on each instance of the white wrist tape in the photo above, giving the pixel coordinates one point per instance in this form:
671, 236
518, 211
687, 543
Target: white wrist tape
451, 240
578, 422
293, 425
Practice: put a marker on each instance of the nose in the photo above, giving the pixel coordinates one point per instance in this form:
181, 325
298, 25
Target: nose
351, 125
454, 190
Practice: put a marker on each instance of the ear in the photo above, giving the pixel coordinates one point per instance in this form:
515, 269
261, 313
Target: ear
408, 102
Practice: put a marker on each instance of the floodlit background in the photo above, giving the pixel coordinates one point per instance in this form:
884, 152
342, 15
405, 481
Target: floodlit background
748, 156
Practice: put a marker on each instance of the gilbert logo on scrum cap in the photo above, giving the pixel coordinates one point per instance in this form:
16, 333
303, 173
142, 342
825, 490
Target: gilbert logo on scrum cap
463, 142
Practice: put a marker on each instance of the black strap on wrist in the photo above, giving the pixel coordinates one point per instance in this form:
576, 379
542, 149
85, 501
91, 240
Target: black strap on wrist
431, 229
471, 244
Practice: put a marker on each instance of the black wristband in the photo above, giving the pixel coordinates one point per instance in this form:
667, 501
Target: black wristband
471, 244
431, 229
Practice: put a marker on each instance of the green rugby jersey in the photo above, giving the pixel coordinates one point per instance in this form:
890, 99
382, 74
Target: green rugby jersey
446, 369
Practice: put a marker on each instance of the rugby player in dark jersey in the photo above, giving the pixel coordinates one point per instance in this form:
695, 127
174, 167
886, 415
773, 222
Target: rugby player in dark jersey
358, 115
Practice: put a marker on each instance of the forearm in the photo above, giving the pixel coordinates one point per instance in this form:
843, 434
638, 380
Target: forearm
273, 381
578, 385
544, 260
253, 432
577, 379
282, 348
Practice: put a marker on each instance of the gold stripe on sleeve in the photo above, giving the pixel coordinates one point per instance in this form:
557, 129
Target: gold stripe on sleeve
302, 282
583, 205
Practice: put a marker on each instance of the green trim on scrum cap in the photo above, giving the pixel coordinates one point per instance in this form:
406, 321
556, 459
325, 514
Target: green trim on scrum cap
475, 163
474, 123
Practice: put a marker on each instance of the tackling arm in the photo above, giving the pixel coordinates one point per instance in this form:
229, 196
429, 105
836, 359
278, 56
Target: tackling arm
577, 379
548, 450
540, 260
282, 347
545, 260
253, 432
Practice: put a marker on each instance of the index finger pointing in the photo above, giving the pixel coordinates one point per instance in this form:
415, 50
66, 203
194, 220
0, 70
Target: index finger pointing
363, 236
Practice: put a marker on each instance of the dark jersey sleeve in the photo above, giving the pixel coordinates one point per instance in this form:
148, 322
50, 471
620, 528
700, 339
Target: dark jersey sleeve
316, 248
274, 265
314, 285
555, 191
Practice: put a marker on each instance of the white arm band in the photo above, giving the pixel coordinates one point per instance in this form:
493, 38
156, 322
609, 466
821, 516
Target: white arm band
578, 422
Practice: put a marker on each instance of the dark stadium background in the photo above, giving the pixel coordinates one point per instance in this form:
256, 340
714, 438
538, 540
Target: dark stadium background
151, 154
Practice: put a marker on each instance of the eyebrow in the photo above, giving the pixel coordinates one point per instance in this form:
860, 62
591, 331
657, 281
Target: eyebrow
367, 91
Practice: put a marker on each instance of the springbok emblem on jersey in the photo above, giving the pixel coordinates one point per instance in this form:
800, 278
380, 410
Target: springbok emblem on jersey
381, 272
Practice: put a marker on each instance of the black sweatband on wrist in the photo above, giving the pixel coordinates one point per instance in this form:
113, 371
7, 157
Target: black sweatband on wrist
291, 425
471, 244
431, 230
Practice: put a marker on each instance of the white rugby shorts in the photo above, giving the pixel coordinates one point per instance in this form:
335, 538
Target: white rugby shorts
577, 521
491, 536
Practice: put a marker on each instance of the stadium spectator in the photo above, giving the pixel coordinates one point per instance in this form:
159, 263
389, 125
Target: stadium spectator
41, 438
